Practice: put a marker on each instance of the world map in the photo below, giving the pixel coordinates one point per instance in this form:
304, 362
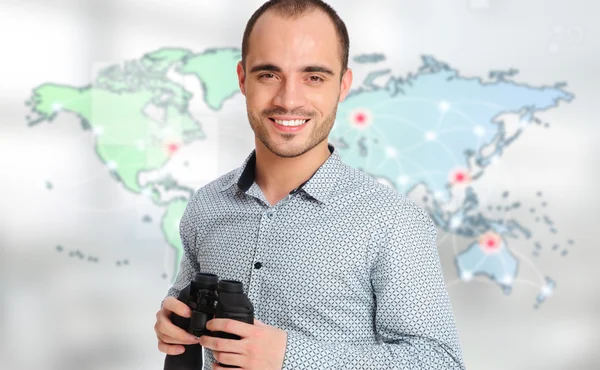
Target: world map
431, 134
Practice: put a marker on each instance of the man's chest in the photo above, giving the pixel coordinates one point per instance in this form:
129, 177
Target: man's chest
293, 261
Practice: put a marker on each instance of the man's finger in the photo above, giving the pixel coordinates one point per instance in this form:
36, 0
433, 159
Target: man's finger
238, 328
170, 349
164, 326
231, 359
171, 340
176, 306
223, 345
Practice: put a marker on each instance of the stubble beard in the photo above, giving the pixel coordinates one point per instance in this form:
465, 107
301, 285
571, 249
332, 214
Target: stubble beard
320, 132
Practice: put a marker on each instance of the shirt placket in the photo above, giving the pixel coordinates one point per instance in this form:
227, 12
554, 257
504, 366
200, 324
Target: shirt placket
269, 224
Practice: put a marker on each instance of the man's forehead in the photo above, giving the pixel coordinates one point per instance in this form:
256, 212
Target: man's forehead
294, 43
315, 16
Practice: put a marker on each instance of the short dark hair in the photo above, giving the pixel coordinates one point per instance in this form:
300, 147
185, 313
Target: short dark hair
296, 8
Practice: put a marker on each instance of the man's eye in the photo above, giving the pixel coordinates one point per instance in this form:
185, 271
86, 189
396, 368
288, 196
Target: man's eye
315, 79
267, 75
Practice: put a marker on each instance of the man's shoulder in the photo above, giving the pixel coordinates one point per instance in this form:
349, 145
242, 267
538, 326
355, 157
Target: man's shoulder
362, 185
381, 196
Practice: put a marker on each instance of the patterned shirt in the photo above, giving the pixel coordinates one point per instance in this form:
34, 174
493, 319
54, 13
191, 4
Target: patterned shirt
348, 267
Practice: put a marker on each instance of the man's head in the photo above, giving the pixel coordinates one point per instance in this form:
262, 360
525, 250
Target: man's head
294, 67
294, 9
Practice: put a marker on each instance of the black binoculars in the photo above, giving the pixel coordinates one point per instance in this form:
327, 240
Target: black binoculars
208, 298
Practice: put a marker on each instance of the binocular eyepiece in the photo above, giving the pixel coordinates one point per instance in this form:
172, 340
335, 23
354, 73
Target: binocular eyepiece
208, 298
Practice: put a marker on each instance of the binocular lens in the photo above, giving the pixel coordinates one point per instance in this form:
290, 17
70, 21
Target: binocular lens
230, 286
206, 281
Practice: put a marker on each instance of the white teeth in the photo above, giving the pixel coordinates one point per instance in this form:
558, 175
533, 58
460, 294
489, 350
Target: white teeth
296, 122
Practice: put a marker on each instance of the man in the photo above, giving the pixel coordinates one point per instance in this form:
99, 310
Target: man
343, 272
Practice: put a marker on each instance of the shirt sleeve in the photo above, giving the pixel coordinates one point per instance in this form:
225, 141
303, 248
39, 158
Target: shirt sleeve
188, 265
414, 322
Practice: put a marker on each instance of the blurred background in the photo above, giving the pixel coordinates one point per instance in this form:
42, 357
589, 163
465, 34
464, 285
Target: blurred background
114, 112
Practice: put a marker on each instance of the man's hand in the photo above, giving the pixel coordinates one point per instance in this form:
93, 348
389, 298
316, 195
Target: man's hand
170, 337
261, 347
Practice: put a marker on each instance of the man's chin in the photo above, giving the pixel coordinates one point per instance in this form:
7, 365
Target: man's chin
286, 150
287, 153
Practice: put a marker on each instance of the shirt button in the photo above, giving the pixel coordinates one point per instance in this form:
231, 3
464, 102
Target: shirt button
270, 214
257, 265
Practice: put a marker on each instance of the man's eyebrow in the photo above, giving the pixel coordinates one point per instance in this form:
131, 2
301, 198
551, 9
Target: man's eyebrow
320, 69
273, 68
265, 67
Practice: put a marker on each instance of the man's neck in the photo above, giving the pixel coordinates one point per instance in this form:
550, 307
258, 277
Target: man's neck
277, 176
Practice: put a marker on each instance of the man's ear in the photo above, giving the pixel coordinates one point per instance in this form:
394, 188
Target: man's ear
345, 85
241, 77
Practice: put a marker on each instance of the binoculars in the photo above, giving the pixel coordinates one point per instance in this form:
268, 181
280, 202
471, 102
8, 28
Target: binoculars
208, 298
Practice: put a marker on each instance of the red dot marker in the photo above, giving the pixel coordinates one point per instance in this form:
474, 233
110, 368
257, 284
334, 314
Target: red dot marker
460, 176
360, 118
490, 242
172, 148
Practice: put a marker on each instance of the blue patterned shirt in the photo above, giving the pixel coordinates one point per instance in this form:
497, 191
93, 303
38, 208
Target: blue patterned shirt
348, 267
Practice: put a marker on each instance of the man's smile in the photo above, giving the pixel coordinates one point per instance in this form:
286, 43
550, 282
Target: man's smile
290, 124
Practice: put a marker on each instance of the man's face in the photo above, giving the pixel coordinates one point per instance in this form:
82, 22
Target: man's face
292, 81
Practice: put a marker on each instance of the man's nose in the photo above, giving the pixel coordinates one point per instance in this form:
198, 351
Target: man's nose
290, 95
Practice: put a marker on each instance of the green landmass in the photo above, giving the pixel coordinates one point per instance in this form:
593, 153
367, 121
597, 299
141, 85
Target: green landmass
120, 123
139, 116
127, 139
161, 60
216, 70
170, 228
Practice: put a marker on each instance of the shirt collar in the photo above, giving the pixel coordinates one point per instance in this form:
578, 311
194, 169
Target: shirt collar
319, 186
